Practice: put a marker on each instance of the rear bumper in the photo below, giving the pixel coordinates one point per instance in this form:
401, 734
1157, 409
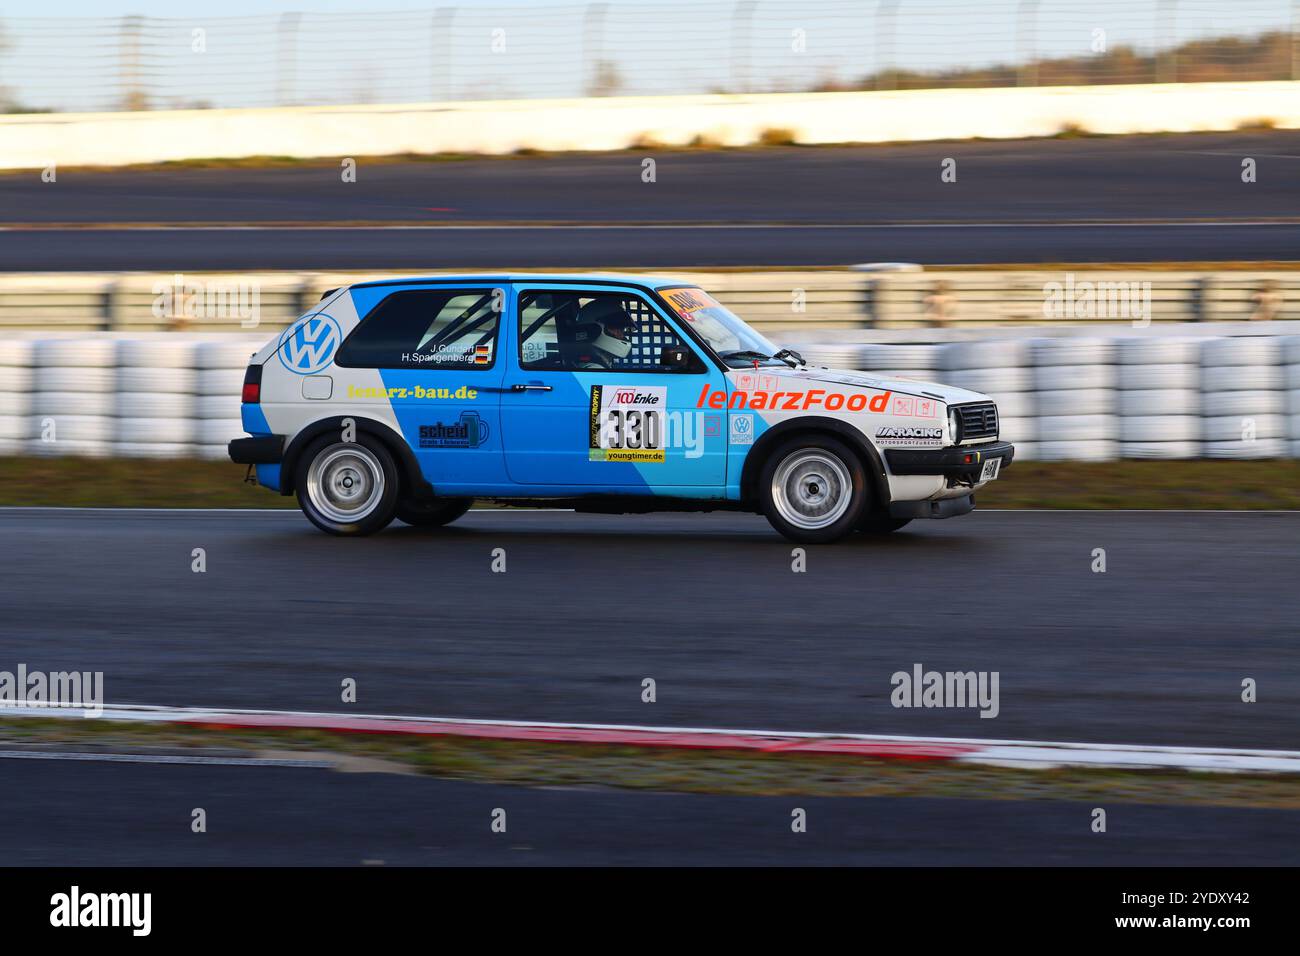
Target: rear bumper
258, 450
960, 461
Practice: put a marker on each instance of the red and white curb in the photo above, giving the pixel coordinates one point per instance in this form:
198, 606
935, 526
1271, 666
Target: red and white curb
1001, 753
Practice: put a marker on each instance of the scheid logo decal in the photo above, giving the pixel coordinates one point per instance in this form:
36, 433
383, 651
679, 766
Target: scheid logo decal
309, 344
468, 431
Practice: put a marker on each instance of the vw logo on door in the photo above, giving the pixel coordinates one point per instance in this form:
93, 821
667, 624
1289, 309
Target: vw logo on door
307, 346
742, 429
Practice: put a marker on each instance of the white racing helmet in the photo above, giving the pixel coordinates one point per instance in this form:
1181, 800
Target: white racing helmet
606, 325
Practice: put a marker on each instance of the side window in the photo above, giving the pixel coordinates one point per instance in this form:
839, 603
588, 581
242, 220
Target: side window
592, 331
427, 328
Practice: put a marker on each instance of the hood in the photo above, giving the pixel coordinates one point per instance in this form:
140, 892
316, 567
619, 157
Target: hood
948, 394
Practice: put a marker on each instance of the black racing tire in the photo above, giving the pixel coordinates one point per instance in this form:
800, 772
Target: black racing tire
813, 489
347, 488
433, 513
876, 522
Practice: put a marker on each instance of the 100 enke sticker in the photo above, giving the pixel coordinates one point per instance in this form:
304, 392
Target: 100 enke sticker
627, 423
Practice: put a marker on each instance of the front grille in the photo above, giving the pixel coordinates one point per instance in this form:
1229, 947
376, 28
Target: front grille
978, 421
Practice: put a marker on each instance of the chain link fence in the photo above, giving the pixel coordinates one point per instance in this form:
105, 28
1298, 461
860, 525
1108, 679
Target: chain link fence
478, 52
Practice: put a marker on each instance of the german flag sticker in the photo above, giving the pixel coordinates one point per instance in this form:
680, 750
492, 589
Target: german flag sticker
482, 355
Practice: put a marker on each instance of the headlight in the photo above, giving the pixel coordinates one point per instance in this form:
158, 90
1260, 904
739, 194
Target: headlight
954, 426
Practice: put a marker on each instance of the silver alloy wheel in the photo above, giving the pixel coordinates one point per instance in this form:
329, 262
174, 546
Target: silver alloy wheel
345, 482
812, 489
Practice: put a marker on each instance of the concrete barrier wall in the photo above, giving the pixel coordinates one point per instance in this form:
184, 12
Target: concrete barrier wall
1096, 397
794, 301
34, 141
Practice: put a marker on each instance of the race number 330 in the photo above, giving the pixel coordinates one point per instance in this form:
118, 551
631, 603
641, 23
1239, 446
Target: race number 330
627, 423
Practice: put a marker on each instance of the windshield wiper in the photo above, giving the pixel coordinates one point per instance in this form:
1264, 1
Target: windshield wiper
746, 355
787, 354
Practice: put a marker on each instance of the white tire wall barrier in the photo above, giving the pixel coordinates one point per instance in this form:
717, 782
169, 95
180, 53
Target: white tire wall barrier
73, 397
1242, 398
1002, 370
1158, 397
97, 395
1075, 394
1088, 398
220, 377
155, 409
1097, 398
15, 395
1291, 371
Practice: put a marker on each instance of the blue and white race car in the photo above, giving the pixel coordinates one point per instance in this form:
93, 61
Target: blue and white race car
616, 394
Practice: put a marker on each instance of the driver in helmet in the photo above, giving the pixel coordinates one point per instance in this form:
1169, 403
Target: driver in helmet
602, 334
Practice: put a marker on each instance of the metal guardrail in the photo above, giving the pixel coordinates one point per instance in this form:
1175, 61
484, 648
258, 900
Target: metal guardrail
773, 301
462, 51
1038, 297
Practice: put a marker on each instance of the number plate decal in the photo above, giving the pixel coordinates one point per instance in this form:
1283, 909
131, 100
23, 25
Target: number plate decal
627, 423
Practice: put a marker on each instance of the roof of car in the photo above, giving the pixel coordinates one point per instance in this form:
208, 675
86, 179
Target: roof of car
644, 281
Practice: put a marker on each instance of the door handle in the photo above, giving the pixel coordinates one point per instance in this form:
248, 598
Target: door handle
531, 388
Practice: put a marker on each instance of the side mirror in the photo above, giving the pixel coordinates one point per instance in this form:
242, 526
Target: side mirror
675, 356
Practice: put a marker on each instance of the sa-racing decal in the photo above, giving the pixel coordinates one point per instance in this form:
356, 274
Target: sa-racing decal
468, 431
909, 436
626, 423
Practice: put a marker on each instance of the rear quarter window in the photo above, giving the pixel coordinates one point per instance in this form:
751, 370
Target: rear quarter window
429, 329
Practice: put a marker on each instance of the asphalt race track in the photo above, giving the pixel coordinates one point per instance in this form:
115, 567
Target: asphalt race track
1152, 651
279, 816
1139, 198
1126, 178
428, 249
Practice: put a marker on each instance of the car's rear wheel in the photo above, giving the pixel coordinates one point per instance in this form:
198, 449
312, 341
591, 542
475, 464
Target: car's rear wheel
347, 488
432, 514
814, 489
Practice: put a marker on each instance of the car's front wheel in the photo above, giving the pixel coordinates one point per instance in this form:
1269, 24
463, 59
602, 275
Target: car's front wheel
814, 489
432, 514
347, 488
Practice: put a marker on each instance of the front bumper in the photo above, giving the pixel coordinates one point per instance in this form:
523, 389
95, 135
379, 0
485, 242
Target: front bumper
258, 450
960, 461
940, 508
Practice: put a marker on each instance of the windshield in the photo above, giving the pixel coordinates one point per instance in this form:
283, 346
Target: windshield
725, 332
